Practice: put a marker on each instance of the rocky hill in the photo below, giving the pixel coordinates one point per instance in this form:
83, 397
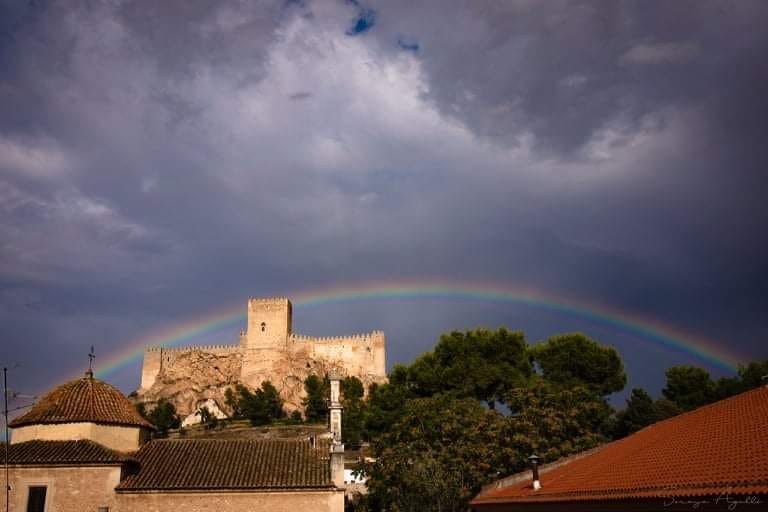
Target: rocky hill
198, 376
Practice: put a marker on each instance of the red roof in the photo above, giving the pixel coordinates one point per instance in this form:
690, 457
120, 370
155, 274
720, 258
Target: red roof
722, 447
83, 400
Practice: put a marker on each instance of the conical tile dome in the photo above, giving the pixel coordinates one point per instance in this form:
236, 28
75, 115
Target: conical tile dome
83, 400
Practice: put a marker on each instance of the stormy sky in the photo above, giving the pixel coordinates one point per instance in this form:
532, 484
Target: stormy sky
159, 160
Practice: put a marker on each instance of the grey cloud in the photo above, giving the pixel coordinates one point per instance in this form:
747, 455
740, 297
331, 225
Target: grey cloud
669, 53
501, 77
301, 95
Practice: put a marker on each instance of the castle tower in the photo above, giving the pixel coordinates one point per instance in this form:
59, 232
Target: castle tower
269, 323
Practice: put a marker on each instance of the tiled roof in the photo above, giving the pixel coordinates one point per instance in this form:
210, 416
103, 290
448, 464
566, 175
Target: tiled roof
719, 447
83, 400
230, 464
59, 453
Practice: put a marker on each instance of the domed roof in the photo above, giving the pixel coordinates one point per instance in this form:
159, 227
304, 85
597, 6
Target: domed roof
83, 400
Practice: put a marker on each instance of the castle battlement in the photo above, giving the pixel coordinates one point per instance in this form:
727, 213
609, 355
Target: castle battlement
203, 348
256, 302
368, 337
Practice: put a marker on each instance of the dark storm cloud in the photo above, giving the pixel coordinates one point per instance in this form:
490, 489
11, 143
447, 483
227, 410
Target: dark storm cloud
158, 159
570, 74
563, 71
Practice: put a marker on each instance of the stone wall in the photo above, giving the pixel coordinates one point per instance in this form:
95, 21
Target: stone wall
68, 489
287, 501
75, 489
288, 366
359, 354
153, 357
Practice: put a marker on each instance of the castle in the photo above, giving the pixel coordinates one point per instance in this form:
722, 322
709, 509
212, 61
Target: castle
268, 350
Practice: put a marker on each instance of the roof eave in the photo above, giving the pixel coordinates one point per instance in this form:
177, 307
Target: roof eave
31, 423
176, 490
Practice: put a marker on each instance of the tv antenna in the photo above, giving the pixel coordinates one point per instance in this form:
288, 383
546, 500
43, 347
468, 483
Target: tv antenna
8, 393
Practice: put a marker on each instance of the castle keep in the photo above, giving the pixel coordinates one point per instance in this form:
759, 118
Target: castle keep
268, 350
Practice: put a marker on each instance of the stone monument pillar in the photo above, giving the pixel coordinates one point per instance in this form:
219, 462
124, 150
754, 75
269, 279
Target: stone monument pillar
334, 407
334, 415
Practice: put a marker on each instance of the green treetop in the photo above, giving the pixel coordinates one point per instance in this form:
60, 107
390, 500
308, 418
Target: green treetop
574, 359
480, 363
689, 387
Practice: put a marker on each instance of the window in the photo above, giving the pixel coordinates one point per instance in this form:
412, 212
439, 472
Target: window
36, 499
263, 326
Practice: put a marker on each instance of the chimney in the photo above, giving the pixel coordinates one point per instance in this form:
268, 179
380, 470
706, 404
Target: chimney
337, 447
535, 467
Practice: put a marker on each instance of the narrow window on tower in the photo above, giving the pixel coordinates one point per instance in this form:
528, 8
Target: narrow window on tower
263, 326
36, 499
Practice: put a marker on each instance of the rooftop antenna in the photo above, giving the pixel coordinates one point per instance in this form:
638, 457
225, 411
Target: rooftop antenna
7, 440
13, 394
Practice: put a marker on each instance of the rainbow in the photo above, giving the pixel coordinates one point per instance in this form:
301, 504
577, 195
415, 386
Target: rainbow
662, 335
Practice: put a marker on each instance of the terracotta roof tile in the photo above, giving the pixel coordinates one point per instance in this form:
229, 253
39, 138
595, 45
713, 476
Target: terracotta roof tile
185, 464
700, 453
59, 453
83, 400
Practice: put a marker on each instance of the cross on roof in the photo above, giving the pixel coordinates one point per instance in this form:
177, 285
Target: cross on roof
91, 357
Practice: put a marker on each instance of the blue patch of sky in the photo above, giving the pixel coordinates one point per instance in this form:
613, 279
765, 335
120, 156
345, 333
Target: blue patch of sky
364, 21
